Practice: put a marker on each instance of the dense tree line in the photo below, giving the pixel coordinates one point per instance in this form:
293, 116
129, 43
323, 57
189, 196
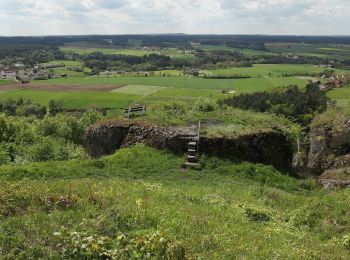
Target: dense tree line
170, 40
289, 101
29, 54
22, 107
100, 62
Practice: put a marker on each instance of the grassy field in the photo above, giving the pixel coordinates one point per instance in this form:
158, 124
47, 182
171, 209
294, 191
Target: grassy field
342, 96
245, 85
245, 51
276, 70
6, 81
138, 90
225, 211
68, 63
75, 99
319, 50
88, 50
146, 89
248, 52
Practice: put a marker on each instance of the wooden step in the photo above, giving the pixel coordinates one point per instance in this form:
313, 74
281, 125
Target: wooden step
192, 143
191, 157
189, 164
192, 150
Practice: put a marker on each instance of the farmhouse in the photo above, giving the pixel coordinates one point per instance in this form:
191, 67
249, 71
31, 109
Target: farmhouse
8, 73
326, 66
51, 65
20, 66
335, 83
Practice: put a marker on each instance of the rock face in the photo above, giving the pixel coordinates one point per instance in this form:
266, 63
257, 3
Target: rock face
329, 145
105, 138
335, 178
268, 147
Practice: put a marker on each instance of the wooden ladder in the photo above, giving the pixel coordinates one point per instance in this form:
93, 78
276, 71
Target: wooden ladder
192, 152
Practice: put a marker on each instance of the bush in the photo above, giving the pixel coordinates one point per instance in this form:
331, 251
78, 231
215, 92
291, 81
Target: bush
288, 101
256, 215
50, 149
22, 107
205, 105
82, 245
42, 151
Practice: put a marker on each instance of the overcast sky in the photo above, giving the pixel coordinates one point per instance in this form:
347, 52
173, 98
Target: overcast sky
56, 17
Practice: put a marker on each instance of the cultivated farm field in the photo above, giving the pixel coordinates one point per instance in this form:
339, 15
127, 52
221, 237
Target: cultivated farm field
74, 99
244, 85
276, 70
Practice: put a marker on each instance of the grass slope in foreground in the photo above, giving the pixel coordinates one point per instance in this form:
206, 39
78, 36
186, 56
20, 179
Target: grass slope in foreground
225, 211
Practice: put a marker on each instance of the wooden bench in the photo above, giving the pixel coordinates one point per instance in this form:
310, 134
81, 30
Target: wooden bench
130, 110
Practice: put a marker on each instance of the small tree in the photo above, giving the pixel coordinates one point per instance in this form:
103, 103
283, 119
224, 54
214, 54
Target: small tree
55, 107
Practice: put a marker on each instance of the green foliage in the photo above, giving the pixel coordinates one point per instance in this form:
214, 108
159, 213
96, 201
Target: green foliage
205, 105
4, 156
22, 107
55, 107
290, 102
255, 215
51, 138
84, 245
49, 149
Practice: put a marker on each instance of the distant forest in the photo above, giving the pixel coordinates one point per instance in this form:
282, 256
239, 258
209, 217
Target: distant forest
172, 40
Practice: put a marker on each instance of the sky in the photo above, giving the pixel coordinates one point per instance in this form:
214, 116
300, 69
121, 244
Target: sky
77, 17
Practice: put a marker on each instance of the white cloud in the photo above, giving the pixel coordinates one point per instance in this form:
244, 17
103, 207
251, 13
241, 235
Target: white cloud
47, 17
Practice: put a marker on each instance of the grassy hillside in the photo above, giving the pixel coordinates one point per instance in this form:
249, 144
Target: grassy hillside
342, 96
129, 204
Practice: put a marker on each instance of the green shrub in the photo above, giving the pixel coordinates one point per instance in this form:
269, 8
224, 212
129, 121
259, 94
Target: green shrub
82, 245
205, 105
255, 215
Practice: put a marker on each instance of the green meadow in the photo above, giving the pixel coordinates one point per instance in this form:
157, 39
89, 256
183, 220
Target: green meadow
74, 99
244, 85
138, 90
276, 70
342, 96
68, 63
332, 51
88, 50
248, 52
6, 81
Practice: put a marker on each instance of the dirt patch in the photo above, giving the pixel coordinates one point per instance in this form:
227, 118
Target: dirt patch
10, 86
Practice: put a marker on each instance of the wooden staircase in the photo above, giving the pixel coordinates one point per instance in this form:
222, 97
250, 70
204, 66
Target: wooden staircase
192, 152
